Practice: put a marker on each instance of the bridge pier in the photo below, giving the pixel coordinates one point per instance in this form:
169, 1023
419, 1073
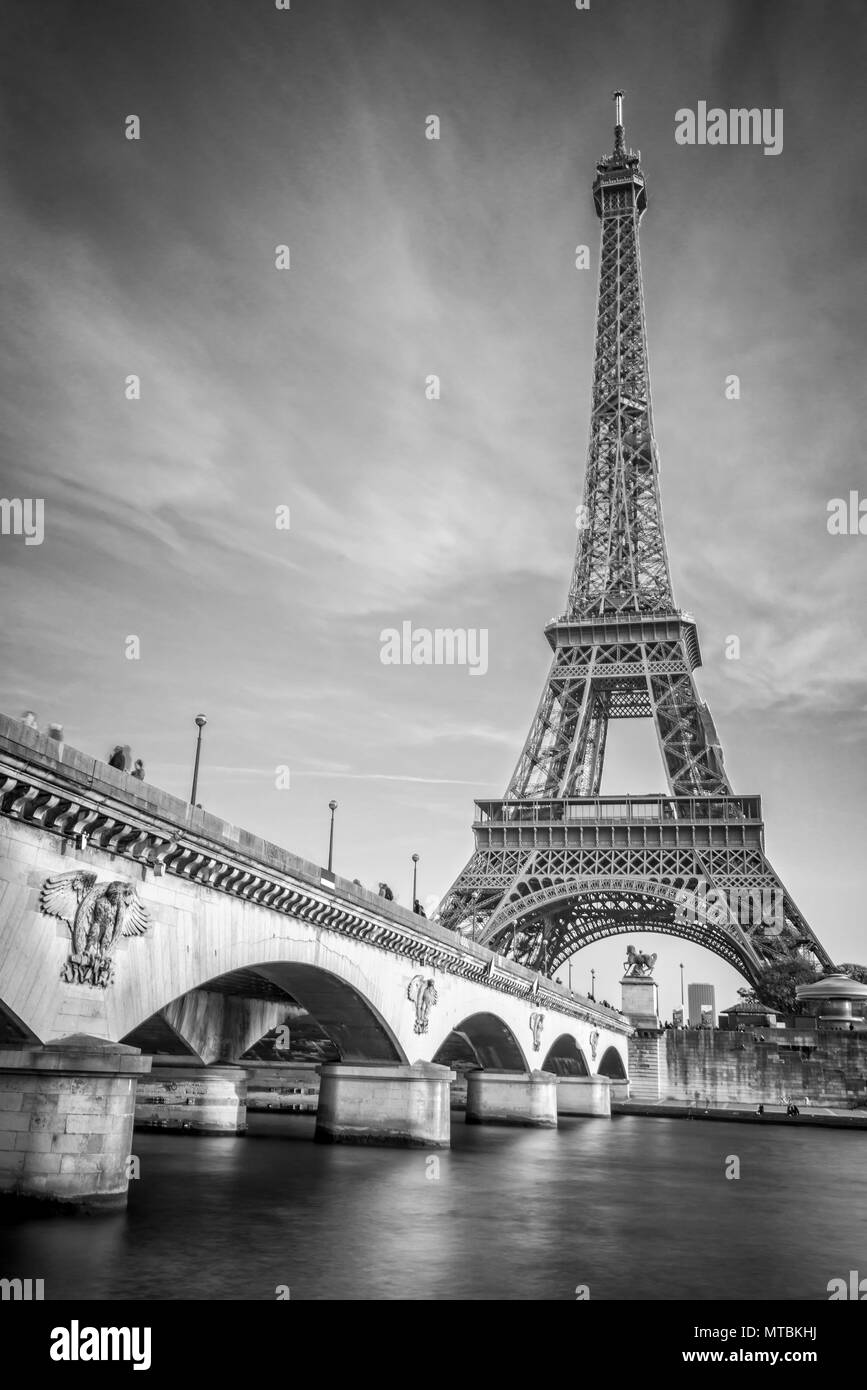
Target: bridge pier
394, 1105
195, 1100
512, 1098
584, 1095
66, 1119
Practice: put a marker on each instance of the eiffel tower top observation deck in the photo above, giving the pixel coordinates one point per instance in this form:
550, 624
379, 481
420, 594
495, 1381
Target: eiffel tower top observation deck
556, 864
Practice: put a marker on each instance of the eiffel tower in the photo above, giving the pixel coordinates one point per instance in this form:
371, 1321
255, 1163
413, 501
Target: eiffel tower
556, 865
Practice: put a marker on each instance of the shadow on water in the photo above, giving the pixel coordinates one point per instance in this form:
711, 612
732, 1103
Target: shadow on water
635, 1208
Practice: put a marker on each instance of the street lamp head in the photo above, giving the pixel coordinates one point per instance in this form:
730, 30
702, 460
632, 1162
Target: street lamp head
332, 806
415, 859
201, 721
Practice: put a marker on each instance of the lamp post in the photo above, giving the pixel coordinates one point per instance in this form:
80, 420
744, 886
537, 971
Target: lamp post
570, 974
201, 721
593, 985
332, 806
414, 879
681, 984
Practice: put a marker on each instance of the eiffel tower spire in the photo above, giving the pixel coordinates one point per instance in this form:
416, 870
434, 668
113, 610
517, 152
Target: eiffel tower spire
557, 864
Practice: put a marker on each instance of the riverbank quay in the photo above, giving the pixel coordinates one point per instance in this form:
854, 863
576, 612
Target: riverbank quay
818, 1117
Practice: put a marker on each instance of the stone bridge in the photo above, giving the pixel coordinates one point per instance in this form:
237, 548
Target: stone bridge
136, 928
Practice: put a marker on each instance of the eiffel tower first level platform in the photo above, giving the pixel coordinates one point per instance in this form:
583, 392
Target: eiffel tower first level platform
557, 866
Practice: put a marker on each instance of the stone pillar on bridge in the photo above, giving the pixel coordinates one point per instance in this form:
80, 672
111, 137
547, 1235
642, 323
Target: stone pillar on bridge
66, 1120
193, 1100
640, 1001
584, 1095
395, 1105
512, 1098
641, 1007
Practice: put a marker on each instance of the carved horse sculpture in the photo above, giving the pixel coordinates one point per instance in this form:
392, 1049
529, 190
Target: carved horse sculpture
638, 962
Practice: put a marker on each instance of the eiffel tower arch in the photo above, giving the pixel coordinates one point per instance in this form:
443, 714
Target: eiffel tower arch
556, 865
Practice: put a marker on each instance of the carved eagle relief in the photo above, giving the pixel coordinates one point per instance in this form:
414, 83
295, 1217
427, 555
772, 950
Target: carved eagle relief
97, 914
423, 994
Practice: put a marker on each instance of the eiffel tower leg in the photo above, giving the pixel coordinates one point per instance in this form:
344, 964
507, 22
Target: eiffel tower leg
594, 758
584, 768
545, 756
690, 750
479, 889
760, 907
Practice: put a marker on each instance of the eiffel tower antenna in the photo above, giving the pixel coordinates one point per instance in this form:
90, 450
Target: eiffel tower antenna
618, 123
556, 864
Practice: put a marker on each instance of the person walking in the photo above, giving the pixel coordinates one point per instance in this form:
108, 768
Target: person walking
138, 771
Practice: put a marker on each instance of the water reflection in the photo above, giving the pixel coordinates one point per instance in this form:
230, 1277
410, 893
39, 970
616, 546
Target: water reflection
636, 1208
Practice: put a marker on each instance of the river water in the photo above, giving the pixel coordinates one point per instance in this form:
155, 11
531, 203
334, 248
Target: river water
634, 1208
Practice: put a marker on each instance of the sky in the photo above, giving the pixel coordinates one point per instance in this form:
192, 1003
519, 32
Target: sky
304, 388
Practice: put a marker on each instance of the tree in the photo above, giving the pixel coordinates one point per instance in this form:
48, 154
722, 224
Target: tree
778, 982
855, 972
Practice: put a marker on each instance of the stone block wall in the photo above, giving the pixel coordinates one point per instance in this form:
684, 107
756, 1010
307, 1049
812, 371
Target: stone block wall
645, 1060
66, 1120
713, 1066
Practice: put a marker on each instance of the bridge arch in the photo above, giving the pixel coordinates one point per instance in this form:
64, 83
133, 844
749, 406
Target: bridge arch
611, 1064
482, 1040
339, 1005
549, 922
566, 1058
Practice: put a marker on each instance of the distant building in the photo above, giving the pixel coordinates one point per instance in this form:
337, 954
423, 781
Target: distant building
677, 1017
702, 1006
746, 1016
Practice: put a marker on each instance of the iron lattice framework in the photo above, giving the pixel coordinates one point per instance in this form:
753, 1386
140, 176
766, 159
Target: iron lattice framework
556, 866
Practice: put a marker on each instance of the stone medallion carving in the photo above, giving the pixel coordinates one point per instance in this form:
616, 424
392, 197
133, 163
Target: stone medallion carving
536, 1024
594, 1044
423, 994
97, 914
